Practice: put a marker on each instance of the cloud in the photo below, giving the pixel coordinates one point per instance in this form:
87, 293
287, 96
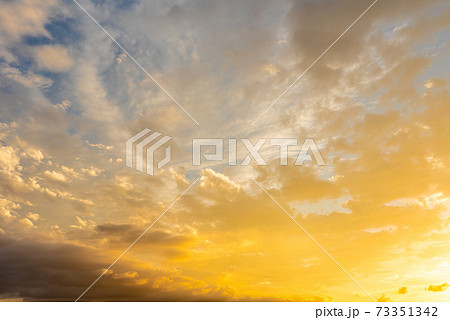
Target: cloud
437, 288
323, 207
9, 158
27, 79
24, 17
69, 269
92, 171
435, 83
374, 102
63, 105
26, 222
33, 216
70, 172
55, 176
218, 185
34, 154
53, 58
7, 207
402, 290
384, 298
128, 233
388, 229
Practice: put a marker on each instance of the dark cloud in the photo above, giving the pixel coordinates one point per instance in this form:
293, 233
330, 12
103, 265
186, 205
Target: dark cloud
129, 233
40, 271
48, 271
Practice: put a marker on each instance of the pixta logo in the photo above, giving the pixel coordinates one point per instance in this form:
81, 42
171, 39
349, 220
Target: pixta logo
147, 141
307, 149
151, 142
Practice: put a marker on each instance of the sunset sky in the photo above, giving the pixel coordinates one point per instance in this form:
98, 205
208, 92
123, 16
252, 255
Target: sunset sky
376, 104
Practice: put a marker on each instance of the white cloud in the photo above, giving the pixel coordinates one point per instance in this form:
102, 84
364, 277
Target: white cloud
389, 228
322, 207
55, 176
33, 216
53, 58
92, 171
99, 146
27, 79
63, 105
26, 222
429, 201
34, 154
9, 159
24, 17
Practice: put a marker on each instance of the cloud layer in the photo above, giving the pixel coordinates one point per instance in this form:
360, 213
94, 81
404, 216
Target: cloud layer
376, 104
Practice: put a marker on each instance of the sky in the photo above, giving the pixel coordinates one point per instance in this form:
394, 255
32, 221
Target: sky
376, 104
